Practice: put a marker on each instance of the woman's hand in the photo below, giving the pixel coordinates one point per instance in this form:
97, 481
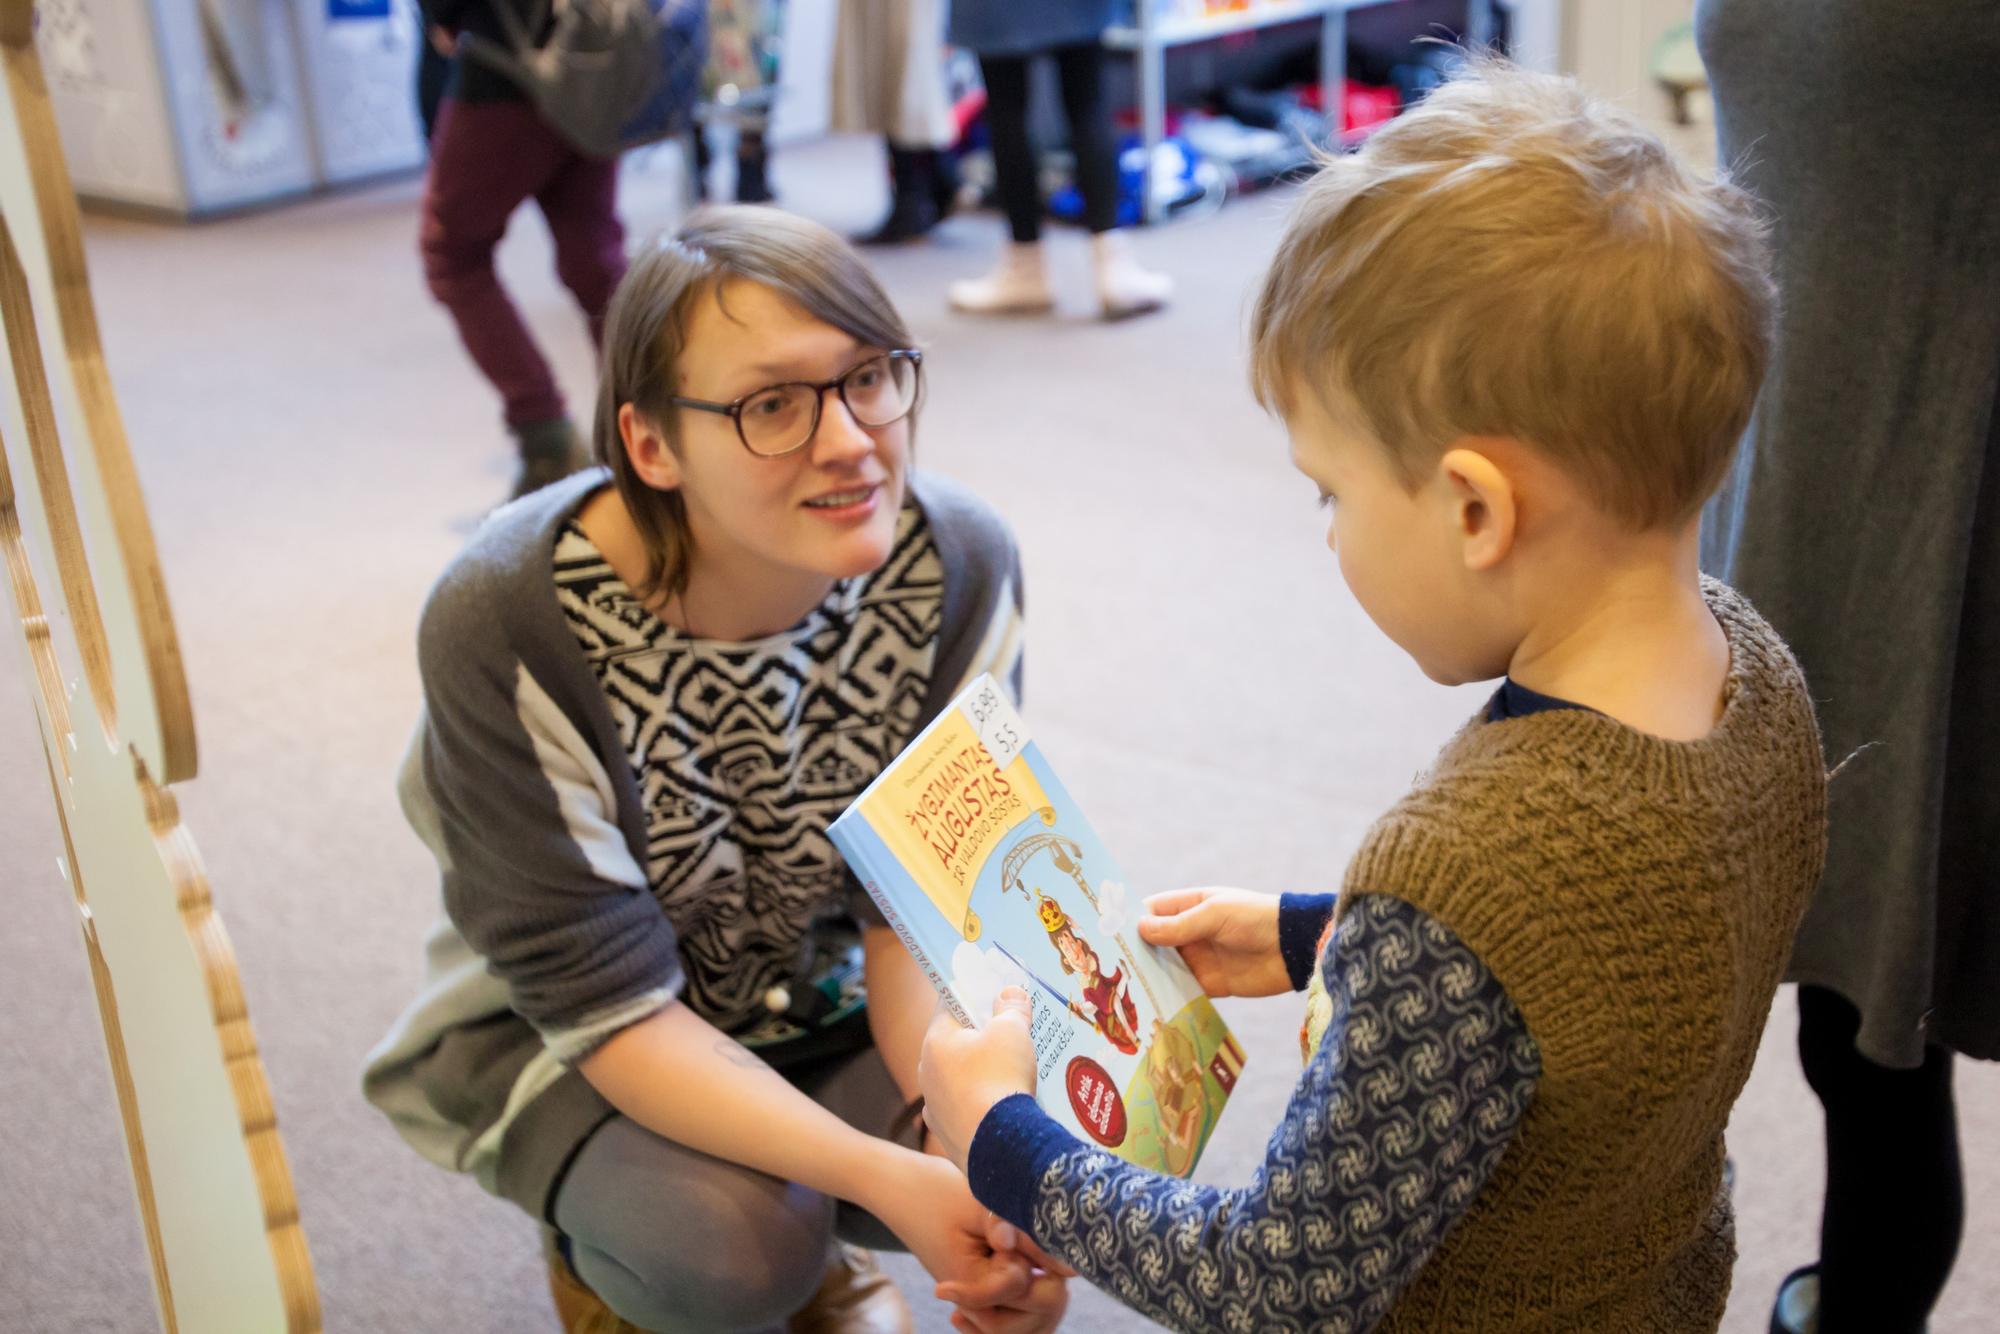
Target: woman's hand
926, 1203
1229, 938
964, 1071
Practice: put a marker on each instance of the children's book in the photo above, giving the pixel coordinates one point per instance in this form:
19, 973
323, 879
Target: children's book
991, 876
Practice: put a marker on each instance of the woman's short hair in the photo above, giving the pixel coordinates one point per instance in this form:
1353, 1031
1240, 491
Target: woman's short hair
1512, 257
645, 331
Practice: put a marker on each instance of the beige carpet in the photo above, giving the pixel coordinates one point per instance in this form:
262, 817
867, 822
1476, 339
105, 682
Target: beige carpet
314, 446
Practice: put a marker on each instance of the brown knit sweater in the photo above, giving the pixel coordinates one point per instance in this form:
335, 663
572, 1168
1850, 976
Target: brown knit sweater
1636, 897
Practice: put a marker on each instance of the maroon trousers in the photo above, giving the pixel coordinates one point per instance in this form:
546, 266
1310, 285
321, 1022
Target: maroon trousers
486, 158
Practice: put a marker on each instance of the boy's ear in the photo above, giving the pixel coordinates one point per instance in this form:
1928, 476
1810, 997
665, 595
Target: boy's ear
1482, 500
646, 446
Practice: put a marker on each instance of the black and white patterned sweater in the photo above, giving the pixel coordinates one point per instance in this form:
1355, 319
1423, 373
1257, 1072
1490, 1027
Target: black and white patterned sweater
746, 752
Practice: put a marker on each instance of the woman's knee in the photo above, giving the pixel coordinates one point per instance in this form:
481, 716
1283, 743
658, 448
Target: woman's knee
751, 1274
453, 266
591, 264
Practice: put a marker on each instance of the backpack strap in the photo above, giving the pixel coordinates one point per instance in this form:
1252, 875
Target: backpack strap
511, 59
521, 36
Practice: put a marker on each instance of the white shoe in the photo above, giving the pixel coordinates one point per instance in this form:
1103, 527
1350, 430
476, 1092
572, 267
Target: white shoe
1124, 288
1019, 286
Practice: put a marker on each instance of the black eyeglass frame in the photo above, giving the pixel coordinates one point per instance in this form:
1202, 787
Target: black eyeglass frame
734, 409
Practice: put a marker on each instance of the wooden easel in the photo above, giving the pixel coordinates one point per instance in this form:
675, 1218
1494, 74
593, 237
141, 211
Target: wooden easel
214, 1192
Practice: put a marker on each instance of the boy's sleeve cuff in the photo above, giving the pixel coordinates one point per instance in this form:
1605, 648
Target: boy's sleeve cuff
1015, 1143
1302, 920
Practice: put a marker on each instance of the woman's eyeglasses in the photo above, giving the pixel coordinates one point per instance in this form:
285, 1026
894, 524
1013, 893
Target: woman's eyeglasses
782, 418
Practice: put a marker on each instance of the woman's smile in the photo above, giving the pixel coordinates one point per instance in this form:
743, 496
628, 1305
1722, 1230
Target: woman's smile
847, 504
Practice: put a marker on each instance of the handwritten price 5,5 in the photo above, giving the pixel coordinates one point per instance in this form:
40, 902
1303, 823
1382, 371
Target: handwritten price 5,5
992, 716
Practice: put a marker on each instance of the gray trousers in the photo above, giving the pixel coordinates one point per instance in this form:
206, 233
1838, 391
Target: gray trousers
677, 1241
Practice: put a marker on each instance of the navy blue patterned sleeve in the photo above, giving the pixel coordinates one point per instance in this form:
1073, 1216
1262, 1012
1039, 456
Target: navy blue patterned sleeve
1423, 1074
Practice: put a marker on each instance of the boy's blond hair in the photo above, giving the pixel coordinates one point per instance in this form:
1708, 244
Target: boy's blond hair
1514, 258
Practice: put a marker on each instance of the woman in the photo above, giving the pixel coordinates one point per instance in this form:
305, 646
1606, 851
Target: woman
1006, 35
889, 80
1864, 519
646, 696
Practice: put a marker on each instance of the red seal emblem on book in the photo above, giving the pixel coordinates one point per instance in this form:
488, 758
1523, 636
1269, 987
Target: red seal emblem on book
1096, 1101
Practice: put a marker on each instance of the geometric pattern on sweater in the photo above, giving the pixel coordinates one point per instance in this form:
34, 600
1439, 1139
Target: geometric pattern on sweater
745, 752
1396, 1123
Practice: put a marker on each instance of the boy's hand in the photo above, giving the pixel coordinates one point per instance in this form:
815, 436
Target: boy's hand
1039, 1309
964, 1071
1229, 938
1002, 1235
929, 1207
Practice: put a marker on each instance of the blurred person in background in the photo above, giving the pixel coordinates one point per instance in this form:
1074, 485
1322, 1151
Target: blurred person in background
490, 152
737, 83
1863, 517
889, 79
1006, 35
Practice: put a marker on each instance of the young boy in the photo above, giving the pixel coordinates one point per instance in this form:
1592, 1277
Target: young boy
1514, 343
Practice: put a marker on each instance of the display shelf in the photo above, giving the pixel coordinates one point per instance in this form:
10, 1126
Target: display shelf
1180, 29
1148, 38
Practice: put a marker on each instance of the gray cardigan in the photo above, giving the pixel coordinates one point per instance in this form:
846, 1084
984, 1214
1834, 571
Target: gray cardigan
518, 782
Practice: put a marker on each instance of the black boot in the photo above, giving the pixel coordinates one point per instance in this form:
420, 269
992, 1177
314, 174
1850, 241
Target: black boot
751, 185
944, 182
703, 159
1797, 1309
913, 207
549, 451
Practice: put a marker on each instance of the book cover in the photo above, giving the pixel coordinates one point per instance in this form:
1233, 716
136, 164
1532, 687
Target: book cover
991, 876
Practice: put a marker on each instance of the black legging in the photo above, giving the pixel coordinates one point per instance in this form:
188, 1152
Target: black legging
1895, 1193
1016, 175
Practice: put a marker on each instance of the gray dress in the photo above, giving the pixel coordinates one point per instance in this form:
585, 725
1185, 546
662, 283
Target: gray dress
888, 73
1863, 515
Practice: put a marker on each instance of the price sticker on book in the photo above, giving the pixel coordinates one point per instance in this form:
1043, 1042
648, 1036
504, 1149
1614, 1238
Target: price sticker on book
993, 717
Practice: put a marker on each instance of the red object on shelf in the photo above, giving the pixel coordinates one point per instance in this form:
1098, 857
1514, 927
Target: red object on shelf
966, 110
1127, 119
1363, 106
